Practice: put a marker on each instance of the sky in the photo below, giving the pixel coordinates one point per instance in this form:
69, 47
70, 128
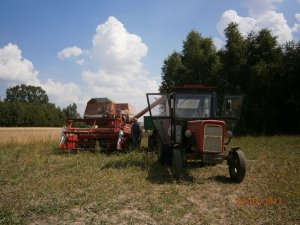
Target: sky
80, 49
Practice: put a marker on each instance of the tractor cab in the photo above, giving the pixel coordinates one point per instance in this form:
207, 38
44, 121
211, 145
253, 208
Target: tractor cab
187, 126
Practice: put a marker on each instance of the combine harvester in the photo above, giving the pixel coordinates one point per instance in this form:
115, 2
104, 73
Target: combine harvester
112, 125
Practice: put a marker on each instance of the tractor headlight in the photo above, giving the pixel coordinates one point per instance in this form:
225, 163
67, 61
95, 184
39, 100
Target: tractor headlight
188, 133
229, 134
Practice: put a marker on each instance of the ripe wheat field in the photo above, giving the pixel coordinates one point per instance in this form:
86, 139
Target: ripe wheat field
40, 184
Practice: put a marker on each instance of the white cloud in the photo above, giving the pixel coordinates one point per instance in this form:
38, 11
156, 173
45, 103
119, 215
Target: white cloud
13, 67
18, 70
262, 15
277, 24
296, 27
257, 7
246, 24
70, 52
117, 73
219, 43
114, 46
121, 75
62, 94
80, 62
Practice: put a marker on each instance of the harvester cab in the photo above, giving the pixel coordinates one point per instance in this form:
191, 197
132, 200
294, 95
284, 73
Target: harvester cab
186, 126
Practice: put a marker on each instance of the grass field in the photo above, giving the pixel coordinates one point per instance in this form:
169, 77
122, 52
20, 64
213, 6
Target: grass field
41, 185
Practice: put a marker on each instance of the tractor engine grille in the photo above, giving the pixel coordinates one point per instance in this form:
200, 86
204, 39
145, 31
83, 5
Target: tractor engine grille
213, 138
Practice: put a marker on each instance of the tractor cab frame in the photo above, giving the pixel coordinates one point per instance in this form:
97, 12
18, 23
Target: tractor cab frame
187, 126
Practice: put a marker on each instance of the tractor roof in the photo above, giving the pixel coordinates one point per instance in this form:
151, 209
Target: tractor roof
193, 88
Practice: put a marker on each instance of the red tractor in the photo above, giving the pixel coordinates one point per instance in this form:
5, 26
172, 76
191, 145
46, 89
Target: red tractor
186, 127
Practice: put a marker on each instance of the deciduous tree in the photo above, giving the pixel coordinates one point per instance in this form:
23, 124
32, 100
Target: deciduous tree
26, 93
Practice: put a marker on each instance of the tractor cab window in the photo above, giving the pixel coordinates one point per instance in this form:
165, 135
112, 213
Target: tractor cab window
159, 111
158, 104
193, 105
232, 106
231, 110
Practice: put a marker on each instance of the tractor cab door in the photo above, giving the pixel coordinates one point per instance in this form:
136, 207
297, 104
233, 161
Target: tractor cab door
231, 110
159, 110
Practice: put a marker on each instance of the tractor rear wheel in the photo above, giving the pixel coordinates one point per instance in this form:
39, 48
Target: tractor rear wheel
237, 166
177, 163
152, 145
164, 153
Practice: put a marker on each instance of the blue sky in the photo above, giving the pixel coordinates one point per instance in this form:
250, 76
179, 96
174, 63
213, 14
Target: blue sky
76, 50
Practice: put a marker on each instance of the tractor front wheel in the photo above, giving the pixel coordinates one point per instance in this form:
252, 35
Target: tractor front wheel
237, 166
177, 163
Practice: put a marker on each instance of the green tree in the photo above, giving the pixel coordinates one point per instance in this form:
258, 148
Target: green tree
172, 72
29, 106
198, 63
26, 93
257, 66
71, 111
4, 114
262, 64
200, 59
287, 89
232, 59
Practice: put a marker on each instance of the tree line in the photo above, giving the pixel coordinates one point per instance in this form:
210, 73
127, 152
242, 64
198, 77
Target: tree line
29, 106
256, 65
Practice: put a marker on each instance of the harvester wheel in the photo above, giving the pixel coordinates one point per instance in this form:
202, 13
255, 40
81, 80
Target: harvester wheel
177, 163
164, 154
129, 146
237, 166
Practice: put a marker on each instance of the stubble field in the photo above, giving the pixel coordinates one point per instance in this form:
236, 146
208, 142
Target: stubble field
40, 184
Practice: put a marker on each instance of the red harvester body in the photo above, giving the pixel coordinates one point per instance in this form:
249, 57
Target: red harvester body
106, 122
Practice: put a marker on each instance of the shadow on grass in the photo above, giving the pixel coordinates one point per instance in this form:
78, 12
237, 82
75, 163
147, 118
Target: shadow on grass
156, 173
123, 164
217, 178
58, 151
221, 179
124, 159
161, 174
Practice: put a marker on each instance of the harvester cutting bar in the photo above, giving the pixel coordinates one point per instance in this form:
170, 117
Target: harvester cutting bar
104, 130
90, 131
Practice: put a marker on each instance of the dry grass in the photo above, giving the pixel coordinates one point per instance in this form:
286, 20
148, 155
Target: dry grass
41, 185
22, 135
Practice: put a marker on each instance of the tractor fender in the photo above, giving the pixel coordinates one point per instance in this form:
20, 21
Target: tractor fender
231, 151
235, 148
